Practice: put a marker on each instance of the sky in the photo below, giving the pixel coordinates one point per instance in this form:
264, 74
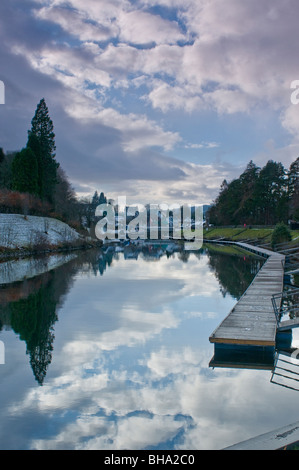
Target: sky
155, 100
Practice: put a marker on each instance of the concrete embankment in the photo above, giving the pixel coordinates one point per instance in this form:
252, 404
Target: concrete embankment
31, 234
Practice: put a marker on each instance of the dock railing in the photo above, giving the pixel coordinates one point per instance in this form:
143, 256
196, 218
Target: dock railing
286, 303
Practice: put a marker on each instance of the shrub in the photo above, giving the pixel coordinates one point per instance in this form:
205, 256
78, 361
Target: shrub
15, 202
280, 234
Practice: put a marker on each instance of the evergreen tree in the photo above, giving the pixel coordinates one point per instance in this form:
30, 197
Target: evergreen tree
2, 155
216, 212
264, 196
6, 171
248, 180
25, 172
33, 319
41, 139
102, 199
293, 190
95, 200
42, 127
227, 204
271, 194
293, 177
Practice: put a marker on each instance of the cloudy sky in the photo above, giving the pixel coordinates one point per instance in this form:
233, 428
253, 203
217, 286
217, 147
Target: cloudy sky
156, 100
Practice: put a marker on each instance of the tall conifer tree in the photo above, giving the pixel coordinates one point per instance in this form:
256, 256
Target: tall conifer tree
41, 140
293, 190
25, 172
2, 155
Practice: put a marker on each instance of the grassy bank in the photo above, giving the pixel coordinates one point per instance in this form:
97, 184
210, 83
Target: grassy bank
263, 235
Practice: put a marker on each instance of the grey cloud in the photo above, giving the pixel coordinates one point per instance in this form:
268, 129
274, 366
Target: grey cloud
18, 25
88, 152
103, 159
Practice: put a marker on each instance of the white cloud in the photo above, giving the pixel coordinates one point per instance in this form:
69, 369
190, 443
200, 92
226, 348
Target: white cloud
247, 61
70, 66
290, 119
138, 131
140, 27
78, 24
166, 98
240, 58
104, 20
163, 60
146, 413
135, 330
163, 362
229, 101
120, 60
198, 185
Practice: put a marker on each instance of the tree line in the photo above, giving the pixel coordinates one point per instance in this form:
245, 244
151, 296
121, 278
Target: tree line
32, 181
260, 196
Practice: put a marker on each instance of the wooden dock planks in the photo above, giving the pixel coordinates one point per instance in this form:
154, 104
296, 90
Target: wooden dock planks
252, 321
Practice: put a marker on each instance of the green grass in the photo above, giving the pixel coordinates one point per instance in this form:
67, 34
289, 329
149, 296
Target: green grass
221, 232
237, 234
295, 234
253, 233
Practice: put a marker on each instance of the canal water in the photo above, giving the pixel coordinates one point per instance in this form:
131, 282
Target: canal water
109, 349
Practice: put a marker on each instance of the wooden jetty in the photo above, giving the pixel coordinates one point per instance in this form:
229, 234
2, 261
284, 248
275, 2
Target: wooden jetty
251, 325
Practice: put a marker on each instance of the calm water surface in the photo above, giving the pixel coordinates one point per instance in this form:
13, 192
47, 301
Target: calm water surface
111, 351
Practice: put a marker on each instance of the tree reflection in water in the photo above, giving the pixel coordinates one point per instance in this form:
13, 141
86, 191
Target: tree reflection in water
31, 307
234, 269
